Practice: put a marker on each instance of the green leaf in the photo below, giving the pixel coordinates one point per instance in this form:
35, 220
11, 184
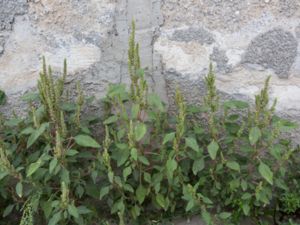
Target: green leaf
233, 165
72, 152
126, 172
206, 217
213, 148
19, 189
266, 172
140, 131
28, 130
33, 167
73, 211
192, 143
246, 209
232, 104
190, 205
47, 208
36, 134
13, 122
31, 96
135, 109
110, 120
134, 154
52, 165
144, 160
154, 100
3, 174
83, 210
65, 176
8, 210
198, 165
104, 191
246, 196
141, 193
135, 211
55, 219
161, 200
171, 166
224, 215
86, 141
254, 135
169, 137
110, 176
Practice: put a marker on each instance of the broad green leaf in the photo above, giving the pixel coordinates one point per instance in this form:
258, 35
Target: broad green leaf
231, 104
13, 122
135, 211
73, 211
55, 219
169, 137
206, 216
83, 210
8, 210
254, 135
266, 172
246, 209
147, 177
65, 176
36, 134
116, 90
33, 167
31, 96
154, 100
3, 174
144, 160
213, 148
190, 205
19, 189
72, 152
28, 130
140, 131
192, 143
224, 215
121, 156
246, 196
171, 166
161, 200
52, 165
110, 176
104, 191
110, 120
126, 172
47, 208
135, 109
141, 193
86, 141
134, 154
198, 165
244, 185
233, 165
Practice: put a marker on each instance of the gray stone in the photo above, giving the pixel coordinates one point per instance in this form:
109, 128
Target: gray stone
219, 56
193, 34
297, 31
8, 10
275, 49
288, 7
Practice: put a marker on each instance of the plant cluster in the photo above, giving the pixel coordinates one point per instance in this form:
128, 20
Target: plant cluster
222, 161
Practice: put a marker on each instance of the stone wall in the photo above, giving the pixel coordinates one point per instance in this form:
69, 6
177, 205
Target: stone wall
247, 40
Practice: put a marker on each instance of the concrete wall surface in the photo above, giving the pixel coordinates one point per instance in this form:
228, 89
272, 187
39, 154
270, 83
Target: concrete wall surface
247, 40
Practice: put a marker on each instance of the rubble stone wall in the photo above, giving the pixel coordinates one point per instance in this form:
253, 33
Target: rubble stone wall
246, 40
